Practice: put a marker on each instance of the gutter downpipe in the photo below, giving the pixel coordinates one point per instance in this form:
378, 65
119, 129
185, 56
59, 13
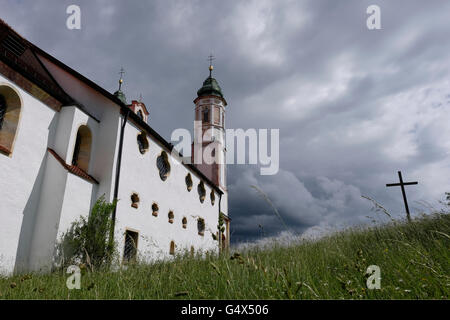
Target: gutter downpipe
116, 184
220, 235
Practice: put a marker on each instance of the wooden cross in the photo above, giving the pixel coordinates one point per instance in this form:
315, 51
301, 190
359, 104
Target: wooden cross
402, 185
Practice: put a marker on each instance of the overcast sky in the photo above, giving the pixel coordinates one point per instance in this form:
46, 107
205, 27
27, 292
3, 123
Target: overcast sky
353, 105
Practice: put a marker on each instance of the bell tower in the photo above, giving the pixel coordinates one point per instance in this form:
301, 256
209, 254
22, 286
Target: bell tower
209, 153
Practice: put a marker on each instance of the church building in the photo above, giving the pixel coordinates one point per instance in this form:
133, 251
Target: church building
65, 142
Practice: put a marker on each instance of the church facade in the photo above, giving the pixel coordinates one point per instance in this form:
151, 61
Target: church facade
65, 142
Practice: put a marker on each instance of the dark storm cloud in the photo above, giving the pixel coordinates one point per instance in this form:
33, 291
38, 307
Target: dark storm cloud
353, 106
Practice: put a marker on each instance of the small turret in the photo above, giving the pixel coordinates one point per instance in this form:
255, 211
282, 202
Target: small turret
119, 94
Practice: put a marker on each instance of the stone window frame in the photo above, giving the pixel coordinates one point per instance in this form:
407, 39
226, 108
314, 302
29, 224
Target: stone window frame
145, 144
171, 216
135, 200
11, 119
189, 183
155, 209
82, 149
212, 197
201, 226
206, 113
163, 160
201, 191
136, 232
172, 248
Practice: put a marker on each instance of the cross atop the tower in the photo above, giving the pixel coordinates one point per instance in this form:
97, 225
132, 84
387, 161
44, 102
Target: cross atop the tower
211, 58
122, 72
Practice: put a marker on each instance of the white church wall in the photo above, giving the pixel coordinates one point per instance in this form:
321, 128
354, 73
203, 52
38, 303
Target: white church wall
48, 213
21, 191
104, 110
104, 167
139, 174
78, 200
79, 193
64, 197
87, 96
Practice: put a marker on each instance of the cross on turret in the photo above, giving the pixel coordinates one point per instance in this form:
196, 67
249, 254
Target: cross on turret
122, 72
211, 58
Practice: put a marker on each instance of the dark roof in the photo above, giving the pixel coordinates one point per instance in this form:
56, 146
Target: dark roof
210, 87
19, 54
31, 67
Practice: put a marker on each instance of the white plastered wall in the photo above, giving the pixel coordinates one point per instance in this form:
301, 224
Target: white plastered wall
20, 192
139, 174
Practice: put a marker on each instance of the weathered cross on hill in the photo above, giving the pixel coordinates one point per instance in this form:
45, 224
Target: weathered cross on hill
402, 185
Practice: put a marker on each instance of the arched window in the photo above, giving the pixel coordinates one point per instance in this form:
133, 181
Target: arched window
10, 107
201, 191
213, 197
188, 180
130, 249
140, 115
163, 165
135, 200
142, 142
2, 110
82, 150
184, 222
171, 216
205, 114
155, 209
201, 226
172, 248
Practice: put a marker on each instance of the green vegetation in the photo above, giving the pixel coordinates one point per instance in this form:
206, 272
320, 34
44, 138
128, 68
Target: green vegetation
87, 241
413, 258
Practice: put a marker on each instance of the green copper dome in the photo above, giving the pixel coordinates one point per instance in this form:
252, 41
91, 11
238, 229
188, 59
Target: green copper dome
210, 87
119, 94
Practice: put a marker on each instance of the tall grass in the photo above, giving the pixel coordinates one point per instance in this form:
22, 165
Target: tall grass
413, 258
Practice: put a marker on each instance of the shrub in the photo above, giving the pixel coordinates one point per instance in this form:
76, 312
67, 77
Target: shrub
87, 241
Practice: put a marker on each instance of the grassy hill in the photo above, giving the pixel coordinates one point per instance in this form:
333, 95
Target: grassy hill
413, 258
